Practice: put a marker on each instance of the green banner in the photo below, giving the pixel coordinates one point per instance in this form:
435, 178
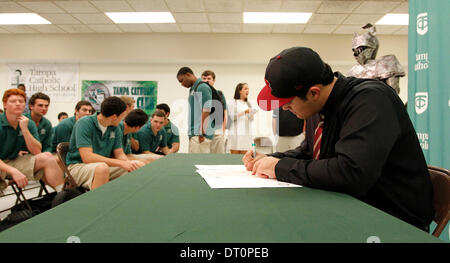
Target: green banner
429, 79
143, 92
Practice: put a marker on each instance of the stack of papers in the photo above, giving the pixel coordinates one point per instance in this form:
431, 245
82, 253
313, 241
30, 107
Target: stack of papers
235, 176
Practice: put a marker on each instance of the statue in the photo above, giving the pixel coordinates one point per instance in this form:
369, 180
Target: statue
387, 68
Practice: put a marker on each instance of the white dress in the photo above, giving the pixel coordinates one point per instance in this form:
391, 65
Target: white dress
240, 134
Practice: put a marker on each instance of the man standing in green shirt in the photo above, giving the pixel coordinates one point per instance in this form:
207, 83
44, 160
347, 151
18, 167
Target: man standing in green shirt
39, 103
93, 141
20, 154
152, 137
173, 135
200, 97
62, 132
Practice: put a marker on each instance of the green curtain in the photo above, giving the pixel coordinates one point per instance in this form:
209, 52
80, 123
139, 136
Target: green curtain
429, 79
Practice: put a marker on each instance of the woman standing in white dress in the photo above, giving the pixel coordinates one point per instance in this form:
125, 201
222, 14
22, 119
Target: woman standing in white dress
240, 135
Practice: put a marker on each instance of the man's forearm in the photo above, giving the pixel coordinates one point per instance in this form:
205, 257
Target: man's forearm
33, 145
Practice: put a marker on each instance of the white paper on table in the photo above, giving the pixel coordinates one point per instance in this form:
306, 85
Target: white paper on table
236, 176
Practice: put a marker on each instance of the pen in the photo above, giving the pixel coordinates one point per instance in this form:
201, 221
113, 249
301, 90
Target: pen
254, 150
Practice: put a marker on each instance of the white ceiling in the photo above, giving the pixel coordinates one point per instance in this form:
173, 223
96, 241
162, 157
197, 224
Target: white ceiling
204, 16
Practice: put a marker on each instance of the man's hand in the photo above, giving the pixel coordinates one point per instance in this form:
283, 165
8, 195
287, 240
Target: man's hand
249, 161
19, 178
129, 165
201, 139
138, 163
23, 123
265, 167
22, 153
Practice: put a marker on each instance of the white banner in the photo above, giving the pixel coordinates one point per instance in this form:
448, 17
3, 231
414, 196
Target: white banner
59, 81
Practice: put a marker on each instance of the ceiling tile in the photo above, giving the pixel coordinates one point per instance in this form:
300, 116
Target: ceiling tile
42, 7
134, 28
164, 27
257, 28
338, 7
11, 7
76, 29
403, 30
61, 19
226, 28
51, 29
19, 29
376, 7
225, 18
357, 19
77, 6
112, 6
185, 5
319, 29
288, 28
191, 18
105, 28
347, 29
402, 8
386, 29
3, 31
195, 28
93, 19
262, 5
149, 5
223, 6
327, 19
299, 6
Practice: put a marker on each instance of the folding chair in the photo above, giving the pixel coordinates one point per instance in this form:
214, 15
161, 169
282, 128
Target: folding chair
61, 150
440, 178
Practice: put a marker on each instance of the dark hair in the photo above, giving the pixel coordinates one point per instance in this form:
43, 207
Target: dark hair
112, 106
83, 103
38, 95
184, 71
326, 78
239, 87
136, 118
158, 113
209, 73
62, 114
164, 107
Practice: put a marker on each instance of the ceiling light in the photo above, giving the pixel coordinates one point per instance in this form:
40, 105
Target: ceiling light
140, 17
276, 18
393, 19
22, 19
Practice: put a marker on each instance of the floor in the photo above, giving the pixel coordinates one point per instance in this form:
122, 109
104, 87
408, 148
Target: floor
8, 198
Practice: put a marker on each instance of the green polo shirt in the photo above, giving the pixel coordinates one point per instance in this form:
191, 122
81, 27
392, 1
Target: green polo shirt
148, 141
126, 139
12, 139
45, 133
87, 133
173, 135
200, 97
62, 132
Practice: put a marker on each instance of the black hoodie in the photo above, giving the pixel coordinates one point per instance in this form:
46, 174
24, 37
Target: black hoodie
369, 149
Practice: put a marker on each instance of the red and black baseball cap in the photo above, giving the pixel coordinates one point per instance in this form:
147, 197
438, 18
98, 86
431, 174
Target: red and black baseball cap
287, 73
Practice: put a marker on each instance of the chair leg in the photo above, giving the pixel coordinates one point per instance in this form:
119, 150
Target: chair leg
19, 194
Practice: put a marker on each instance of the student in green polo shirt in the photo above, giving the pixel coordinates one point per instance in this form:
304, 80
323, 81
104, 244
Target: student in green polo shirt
62, 132
152, 137
93, 141
132, 123
200, 99
20, 153
173, 135
38, 104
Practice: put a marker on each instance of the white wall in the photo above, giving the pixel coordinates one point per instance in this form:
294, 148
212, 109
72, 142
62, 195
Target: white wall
233, 57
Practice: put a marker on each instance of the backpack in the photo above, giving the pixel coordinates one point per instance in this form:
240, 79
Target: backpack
215, 97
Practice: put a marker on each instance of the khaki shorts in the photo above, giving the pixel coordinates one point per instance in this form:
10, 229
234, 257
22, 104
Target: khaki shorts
25, 164
196, 147
83, 173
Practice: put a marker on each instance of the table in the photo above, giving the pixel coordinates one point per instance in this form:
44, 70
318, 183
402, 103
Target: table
167, 201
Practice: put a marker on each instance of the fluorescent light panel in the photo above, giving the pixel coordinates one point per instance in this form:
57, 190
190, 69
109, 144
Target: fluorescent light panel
140, 17
393, 19
276, 18
22, 19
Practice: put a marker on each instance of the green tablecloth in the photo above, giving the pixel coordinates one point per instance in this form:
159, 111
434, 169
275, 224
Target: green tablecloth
167, 201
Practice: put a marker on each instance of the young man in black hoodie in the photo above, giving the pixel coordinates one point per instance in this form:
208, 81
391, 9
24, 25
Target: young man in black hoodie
359, 138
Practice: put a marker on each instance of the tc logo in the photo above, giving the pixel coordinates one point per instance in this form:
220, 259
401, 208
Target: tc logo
421, 102
422, 23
